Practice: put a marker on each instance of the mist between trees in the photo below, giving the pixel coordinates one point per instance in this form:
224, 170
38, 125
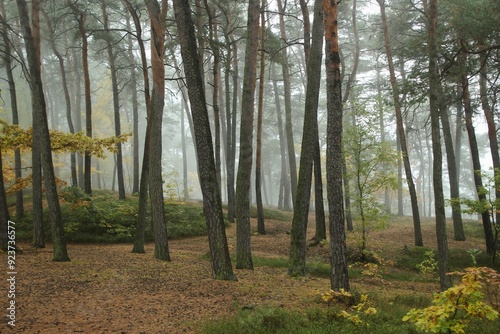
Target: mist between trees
244, 103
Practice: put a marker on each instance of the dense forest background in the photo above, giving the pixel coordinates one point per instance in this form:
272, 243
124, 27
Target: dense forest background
232, 101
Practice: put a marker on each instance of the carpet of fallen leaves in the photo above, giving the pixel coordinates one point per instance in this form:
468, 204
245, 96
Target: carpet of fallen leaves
108, 289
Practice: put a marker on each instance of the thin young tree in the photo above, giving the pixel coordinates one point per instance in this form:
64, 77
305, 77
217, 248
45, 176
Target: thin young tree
212, 202
116, 98
243, 247
81, 18
400, 128
287, 94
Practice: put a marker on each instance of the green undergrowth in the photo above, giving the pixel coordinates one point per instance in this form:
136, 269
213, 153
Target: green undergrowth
320, 318
103, 218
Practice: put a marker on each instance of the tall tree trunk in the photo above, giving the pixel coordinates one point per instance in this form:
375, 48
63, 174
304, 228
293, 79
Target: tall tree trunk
13, 104
490, 120
157, 14
212, 203
261, 228
288, 103
400, 130
285, 190
144, 180
81, 17
243, 180
77, 90
116, 102
135, 107
297, 262
67, 99
339, 277
320, 233
476, 163
437, 170
229, 125
31, 40
214, 45
380, 107
458, 227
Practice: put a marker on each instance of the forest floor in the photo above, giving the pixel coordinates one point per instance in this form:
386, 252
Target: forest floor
107, 289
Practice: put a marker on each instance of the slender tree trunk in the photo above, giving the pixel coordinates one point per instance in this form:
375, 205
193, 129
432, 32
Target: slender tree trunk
31, 39
116, 102
261, 228
243, 180
13, 103
285, 191
318, 178
81, 19
212, 203
213, 40
400, 130
67, 99
144, 180
297, 262
476, 163
288, 104
135, 108
339, 277
458, 227
229, 125
157, 14
490, 120
434, 102
77, 114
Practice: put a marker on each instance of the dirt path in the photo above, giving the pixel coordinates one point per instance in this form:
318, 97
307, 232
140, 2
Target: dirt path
107, 289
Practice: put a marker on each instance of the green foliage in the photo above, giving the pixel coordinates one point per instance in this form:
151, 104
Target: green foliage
429, 265
454, 308
103, 218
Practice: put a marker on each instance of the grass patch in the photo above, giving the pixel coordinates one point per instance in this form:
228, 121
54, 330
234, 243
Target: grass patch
274, 214
264, 320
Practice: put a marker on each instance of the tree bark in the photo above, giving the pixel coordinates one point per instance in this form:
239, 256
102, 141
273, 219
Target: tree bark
212, 203
288, 104
261, 228
297, 262
476, 162
144, 179
243, 180
135, 109
339, 276
400, 129
437, 170
458, 227
157, 15
490, 121
116, 101
81, 17
40, 122
13, 104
